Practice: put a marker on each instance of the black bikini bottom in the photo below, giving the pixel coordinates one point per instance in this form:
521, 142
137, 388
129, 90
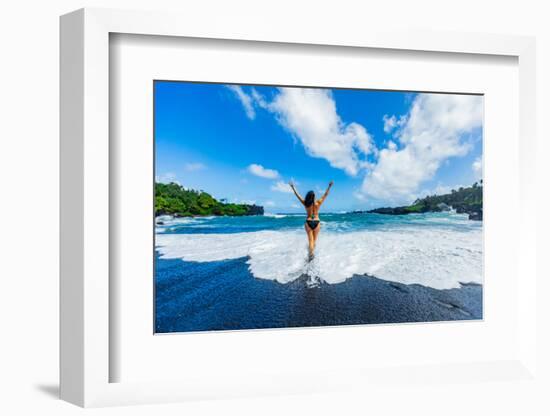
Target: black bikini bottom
312, 224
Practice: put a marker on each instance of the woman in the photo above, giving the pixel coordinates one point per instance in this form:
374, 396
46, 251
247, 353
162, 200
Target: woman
313, 224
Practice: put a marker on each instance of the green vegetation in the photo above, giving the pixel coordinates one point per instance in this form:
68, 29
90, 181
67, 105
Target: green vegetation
173, 199
464, 200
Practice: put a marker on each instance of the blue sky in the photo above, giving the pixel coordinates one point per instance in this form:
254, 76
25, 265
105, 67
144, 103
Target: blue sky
381, 148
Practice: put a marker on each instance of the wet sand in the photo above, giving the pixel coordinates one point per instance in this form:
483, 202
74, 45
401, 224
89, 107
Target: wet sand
223, 295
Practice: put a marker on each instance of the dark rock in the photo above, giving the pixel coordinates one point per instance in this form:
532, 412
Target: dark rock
390, 211
476, 216
255, 210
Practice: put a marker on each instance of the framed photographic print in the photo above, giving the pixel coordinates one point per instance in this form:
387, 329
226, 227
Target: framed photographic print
274, 213
282, 206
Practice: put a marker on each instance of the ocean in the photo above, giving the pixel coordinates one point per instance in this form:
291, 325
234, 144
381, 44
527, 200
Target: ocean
226, 273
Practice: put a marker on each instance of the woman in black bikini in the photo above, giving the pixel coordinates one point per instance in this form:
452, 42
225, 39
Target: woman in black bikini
312, 225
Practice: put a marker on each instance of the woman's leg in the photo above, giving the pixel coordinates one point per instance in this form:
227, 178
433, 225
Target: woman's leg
310, 239
315, 234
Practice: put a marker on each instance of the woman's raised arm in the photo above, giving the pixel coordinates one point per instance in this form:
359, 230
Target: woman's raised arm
296, 193
326, 193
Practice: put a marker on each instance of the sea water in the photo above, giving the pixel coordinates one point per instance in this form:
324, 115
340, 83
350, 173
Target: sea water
437, 250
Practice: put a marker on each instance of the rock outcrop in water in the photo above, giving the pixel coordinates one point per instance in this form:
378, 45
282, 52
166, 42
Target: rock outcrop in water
464, 201
255, 210
173, 199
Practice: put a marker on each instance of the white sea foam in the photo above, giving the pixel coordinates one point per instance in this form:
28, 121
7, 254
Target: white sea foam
270, 215
436, 257
164, 218
169, 223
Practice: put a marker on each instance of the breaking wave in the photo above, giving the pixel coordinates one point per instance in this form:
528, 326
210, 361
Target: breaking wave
441, 258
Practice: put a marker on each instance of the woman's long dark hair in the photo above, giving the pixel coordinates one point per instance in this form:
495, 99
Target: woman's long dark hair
310, 198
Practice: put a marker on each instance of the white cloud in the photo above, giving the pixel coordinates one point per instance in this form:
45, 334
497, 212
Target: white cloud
281, 186
269, 204
434, 131
258, 99
167, 177
360, 196
477, 167
440, 189
262, 172
245, 99
244, 201
311, 116
390, 123
193, 167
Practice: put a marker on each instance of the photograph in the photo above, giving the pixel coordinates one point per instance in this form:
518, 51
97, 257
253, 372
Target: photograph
281, 206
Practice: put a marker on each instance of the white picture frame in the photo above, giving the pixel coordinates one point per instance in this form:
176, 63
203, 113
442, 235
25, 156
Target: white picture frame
85, 206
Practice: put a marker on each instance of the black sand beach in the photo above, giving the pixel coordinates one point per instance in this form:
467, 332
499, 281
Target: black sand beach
224, 295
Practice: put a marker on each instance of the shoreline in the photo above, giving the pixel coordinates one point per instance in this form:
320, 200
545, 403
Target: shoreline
267, 214
400, 211
207, 215
223, 295
157, 222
